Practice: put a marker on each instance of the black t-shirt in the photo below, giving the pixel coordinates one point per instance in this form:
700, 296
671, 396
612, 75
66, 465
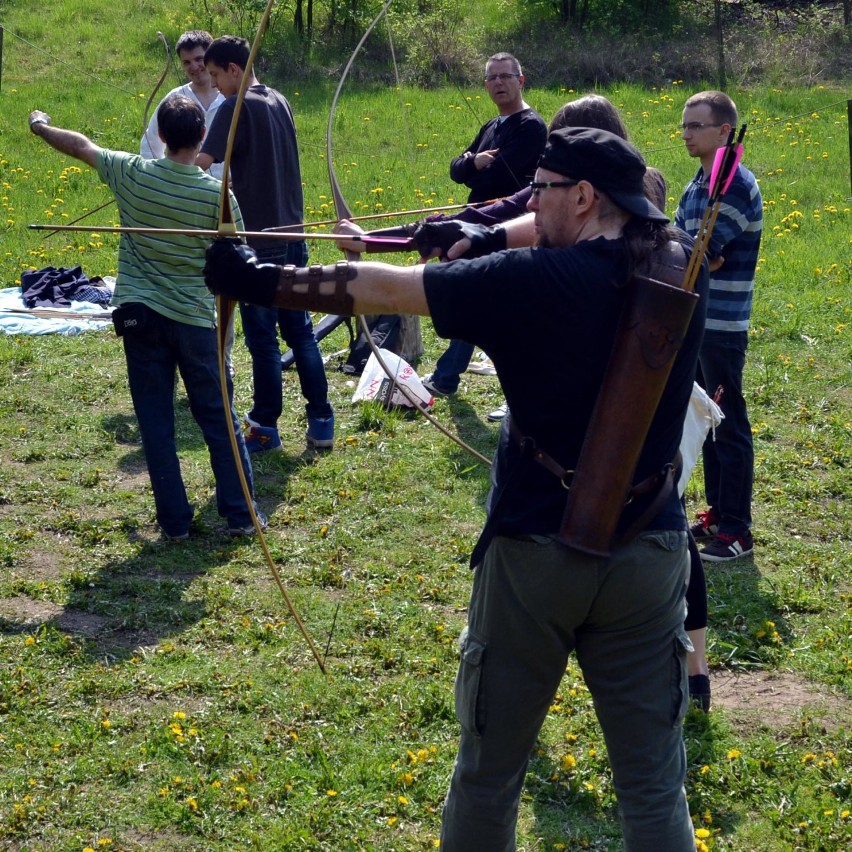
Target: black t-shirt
265, 170
547, 318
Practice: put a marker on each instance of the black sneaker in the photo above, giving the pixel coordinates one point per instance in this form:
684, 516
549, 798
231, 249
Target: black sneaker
726, 548
249, 530
707, 526
434, 389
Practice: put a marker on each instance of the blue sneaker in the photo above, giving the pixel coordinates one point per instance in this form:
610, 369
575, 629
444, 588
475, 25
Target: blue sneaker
260, 439
320, 434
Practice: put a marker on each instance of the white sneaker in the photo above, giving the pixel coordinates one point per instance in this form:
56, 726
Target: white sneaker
482, 365
499, 413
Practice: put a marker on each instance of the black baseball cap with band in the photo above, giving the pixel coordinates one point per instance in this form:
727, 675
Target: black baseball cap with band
606, 161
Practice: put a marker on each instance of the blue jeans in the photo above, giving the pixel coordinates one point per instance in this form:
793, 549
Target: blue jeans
533, 602
449, 367
152, 355
261, 327
729, 459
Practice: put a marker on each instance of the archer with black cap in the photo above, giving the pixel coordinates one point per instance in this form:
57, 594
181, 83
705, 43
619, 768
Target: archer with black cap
548, 317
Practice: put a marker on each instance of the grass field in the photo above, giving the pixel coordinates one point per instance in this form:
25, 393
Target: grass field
157, 696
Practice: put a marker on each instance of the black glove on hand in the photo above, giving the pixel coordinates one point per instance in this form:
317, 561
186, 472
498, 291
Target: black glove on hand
232, 270
443, 235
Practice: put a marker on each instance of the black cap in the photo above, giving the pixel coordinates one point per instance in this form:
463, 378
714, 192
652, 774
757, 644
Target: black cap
606, 161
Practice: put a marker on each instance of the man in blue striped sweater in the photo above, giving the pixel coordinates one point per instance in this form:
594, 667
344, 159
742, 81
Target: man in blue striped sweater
724, 529
169, 316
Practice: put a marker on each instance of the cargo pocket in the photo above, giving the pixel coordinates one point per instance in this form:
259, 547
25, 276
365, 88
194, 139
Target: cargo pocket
679, 689
469, 683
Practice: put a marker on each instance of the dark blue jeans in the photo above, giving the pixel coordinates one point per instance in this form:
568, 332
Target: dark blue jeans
261, 327
729, 459
152, 355
449, 367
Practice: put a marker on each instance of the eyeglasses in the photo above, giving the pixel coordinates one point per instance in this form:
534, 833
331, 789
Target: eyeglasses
695, 126
490, 78
538, 186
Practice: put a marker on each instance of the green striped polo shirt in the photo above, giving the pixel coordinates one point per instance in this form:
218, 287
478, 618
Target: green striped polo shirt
163, 271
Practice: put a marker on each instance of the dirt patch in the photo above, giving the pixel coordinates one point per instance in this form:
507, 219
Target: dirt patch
776, 699
28, 612
41, 566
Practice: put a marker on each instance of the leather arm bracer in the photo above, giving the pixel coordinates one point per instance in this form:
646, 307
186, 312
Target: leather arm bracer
299, 288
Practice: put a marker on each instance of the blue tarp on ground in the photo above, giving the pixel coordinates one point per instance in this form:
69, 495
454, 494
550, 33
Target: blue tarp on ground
16, 318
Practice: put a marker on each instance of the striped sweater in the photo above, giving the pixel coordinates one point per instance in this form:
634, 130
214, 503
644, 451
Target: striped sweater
736, 238
164, 271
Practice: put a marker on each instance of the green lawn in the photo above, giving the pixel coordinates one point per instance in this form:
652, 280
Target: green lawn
158, 696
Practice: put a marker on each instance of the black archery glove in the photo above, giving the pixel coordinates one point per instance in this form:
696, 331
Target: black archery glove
442, 235
232, 270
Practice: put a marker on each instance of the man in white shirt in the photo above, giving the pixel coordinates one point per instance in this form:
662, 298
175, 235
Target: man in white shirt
190, 48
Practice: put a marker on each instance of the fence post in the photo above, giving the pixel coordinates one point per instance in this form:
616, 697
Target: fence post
849, 128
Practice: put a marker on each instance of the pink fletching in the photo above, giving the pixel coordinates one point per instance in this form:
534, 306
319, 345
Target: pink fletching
733, 170
714, 172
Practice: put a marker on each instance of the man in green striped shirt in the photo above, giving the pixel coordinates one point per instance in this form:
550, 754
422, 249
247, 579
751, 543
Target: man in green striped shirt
169, 316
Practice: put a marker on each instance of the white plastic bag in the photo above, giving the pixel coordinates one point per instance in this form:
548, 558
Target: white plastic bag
375, 384
702, 415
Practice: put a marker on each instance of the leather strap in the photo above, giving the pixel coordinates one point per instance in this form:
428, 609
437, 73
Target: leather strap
662, 481
339, 302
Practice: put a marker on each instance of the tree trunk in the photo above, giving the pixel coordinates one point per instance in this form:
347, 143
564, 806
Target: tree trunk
721, 44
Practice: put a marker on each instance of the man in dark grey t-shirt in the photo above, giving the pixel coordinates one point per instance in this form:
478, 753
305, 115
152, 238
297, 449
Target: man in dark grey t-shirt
267, 182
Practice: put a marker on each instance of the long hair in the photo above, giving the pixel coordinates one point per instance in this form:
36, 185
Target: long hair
590, 111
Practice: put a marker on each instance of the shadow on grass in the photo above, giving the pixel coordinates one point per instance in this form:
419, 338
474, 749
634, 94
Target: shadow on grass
746, 628
130, 603
113, 608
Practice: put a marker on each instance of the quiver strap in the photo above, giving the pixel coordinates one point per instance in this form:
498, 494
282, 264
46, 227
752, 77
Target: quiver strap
651, 330
310, 297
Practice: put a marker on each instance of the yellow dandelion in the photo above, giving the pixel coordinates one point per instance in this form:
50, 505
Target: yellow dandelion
734, 754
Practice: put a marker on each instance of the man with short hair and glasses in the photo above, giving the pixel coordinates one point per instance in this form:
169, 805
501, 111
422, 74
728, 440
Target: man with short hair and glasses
724, 528
501, 160
498, 163
548, 318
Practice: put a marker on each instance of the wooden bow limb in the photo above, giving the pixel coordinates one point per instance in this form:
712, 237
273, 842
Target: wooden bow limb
55, 229
343, 212
144, 132
224, 309
157, 87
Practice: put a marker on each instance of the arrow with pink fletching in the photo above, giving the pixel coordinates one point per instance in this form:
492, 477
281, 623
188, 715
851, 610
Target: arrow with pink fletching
724, 168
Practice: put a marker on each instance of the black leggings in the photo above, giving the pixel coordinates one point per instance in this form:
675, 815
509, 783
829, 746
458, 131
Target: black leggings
696, 591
